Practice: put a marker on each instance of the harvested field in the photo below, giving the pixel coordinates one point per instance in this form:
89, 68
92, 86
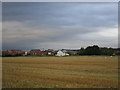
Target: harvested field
60, 72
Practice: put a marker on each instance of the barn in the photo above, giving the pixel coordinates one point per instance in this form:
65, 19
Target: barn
61, 53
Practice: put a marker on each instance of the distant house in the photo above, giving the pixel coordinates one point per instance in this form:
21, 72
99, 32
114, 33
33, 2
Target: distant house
27, 53
49, 52
61, 53
73, 52
37, 52
12, 53
116, 52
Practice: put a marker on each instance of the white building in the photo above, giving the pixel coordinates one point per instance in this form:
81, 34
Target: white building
26, 53
61, 53
49, 53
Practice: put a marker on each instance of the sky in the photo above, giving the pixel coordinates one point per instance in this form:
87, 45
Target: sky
50, 25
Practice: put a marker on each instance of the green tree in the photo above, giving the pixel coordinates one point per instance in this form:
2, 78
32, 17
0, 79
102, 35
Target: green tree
82, 51
92, 50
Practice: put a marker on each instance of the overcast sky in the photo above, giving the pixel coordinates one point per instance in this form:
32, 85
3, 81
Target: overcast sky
59, 25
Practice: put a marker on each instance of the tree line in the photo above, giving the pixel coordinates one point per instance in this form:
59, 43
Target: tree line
96, 50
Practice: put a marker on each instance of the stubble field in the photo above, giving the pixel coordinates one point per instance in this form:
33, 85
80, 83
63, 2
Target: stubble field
60, 72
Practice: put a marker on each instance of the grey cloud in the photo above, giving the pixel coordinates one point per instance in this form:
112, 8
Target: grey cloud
86, 14
24, 37
58, 25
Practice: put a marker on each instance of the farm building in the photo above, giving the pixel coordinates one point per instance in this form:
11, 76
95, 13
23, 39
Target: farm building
61, 53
